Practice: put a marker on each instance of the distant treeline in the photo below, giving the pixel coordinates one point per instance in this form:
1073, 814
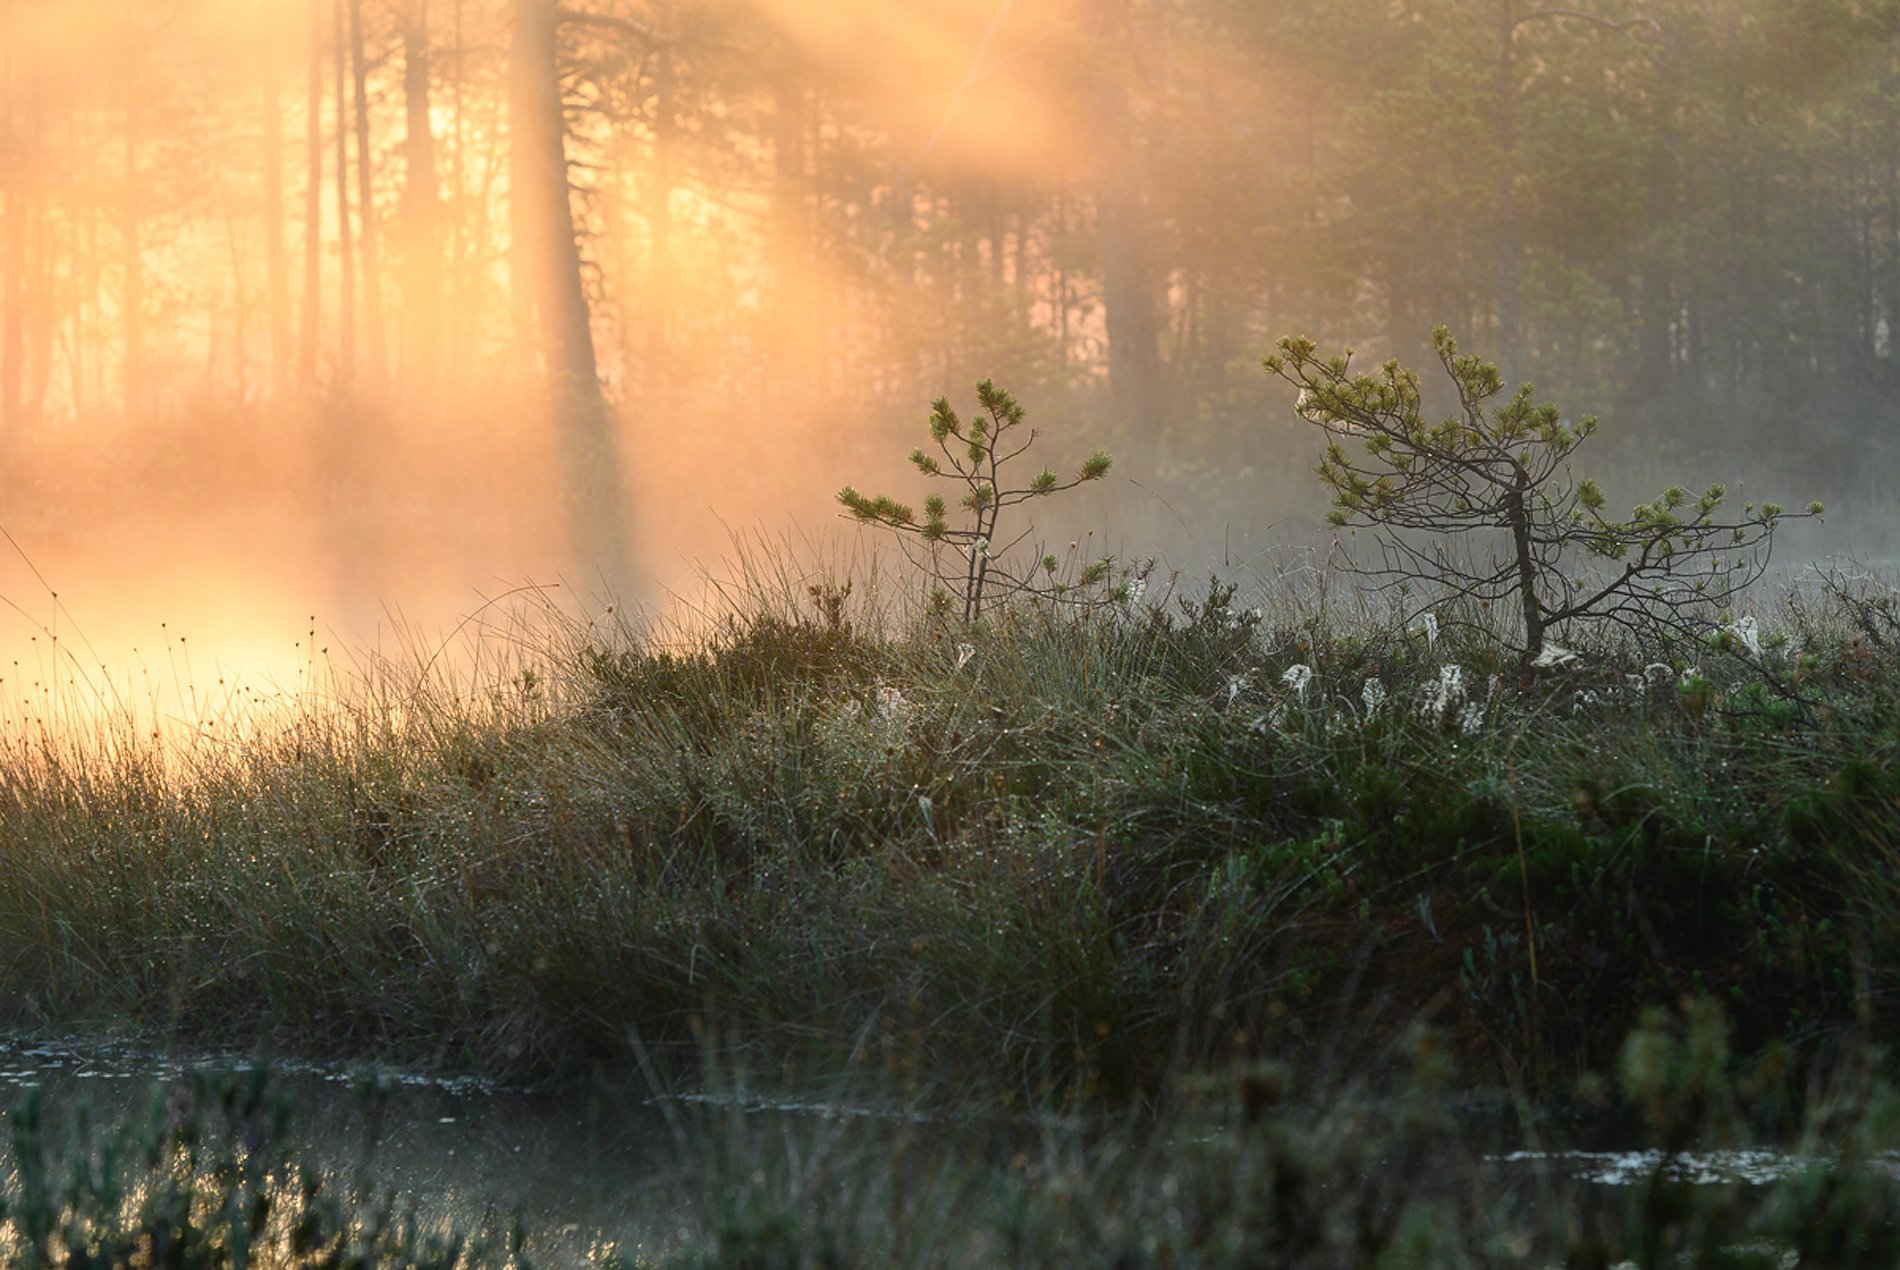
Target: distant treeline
1681, 213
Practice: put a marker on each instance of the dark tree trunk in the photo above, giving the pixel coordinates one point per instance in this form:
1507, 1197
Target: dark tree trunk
240, 321
1656, 287
43, 295
20, 126
545, 264
132, 263
421, 208
1517, 518
311, 334
1508, 359
345, 234
376, 346
658, 353
15, 193
1128, 303
88, 362
546, 253
455, 321
793, 293
1124, 241
274, 237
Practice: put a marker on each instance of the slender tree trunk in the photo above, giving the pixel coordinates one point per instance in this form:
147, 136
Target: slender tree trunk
132, 259
658, 352
456, 320
312, 334
78, 314
421, 208
1728, 317
1128, 280
1887, 267
45, 281
1508, 356
995, 221
1517, 516
277, 249
43, 310
1059, 289
545, 264
546, 255
345, 234
790, 227
376, 344
1019, 261
89, 391
35, 272
1887, 273
240, 320
16, 191
16, 187
1128, 303
1656, 285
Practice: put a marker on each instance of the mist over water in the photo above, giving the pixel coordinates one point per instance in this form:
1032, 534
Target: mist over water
325, 322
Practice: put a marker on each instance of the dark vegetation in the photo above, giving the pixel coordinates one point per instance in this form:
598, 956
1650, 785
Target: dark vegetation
1113, 845
1190, 920
1268, 1169
1052, 854
1503, 473
1258, 935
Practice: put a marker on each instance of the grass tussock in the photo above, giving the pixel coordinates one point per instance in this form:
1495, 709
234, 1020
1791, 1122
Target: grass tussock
1052, 855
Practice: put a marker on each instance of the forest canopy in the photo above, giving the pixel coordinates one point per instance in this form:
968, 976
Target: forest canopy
661, 228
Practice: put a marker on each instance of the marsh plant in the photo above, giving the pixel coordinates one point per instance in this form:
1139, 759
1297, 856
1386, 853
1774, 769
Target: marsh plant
1281, 1165
1265, 1163
1503, 470
974, 457
1077, 853
201, 1175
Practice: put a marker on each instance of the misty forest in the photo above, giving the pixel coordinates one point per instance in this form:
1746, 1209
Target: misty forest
761, 633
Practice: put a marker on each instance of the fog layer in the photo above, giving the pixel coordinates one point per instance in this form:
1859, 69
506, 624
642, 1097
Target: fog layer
370, 309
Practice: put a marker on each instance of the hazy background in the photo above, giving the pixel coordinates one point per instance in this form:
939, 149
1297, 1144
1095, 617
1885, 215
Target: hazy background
318, 312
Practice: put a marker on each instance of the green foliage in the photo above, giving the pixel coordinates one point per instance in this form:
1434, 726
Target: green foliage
978, 452
746, 661
1503, 470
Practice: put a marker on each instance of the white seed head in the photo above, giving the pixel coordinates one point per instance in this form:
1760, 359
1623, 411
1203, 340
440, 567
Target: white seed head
1373, 694
1747, 632
1554, 655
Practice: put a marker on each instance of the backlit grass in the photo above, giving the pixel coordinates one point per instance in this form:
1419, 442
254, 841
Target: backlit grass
1054, 855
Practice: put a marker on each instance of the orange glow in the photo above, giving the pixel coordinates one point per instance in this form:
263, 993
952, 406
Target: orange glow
360, 307
244, 387
971, 80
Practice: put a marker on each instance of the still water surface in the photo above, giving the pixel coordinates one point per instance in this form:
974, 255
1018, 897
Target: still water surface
575, 1166
585, 1168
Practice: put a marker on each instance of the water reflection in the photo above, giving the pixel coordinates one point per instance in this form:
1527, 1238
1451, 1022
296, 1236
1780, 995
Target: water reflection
1753, 1166
592, 1171
460, 1151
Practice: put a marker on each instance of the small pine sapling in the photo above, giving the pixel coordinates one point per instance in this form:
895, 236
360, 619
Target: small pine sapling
974, 456
1503, 471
